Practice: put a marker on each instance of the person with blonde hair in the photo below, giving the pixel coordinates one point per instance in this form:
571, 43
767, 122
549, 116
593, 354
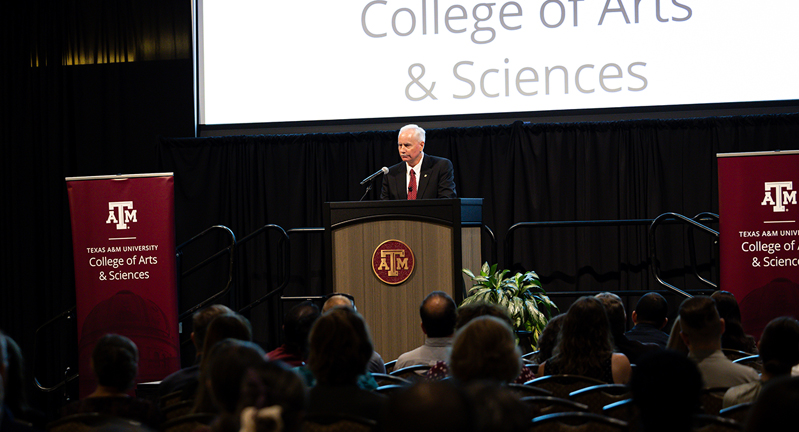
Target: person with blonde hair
485, 349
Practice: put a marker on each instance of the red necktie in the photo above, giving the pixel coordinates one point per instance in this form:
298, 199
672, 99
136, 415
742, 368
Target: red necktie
412, 186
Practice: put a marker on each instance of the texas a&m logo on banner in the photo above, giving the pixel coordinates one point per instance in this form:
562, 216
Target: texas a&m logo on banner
783, 195
121, 213
393, 262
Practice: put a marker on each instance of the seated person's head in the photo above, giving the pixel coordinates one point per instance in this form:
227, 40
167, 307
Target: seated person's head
775, 408
473, 310
115, 361
202, 319
274, 395
3, 356
297, 325
651, 309
779, 346
338, 300
226, 326
339, 347
585, 325
700, 323
485, 349
227, 362
428, 406
549, 337
498, 409
727, 305
666, 388
676, 342
438, 312
614, 308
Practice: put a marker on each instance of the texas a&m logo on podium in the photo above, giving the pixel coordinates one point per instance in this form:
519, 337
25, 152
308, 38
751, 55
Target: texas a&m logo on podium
393, 262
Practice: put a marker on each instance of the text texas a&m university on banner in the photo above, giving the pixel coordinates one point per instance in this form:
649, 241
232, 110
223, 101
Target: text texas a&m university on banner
123, 238
759, 234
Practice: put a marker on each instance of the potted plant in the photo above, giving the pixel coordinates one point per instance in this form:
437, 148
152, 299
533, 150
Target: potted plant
521, 294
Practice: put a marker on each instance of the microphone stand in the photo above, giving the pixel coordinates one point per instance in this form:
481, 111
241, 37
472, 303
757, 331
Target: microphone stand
368, 188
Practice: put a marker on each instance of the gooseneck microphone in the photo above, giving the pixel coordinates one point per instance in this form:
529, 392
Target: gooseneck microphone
383, 170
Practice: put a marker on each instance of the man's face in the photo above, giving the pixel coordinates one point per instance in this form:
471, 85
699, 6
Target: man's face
410, 149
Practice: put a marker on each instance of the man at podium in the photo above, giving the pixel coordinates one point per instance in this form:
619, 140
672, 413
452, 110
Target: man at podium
418, 176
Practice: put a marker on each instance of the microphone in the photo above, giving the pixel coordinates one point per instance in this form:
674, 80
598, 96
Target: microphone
383, 170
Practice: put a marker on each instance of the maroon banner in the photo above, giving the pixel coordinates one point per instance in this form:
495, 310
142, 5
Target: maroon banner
123, 238
759, 234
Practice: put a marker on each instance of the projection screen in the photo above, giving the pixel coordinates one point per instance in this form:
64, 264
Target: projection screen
266, 61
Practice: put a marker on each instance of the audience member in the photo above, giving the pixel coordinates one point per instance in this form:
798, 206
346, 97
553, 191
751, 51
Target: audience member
296, 327
701, 331
734, 336
438, 312
429, 407
115, 361
585, 346
549, 337
185, 380
340, 348
225, 326
16, 395
221, 375
618, 319
649, 320
775, 409
666, 389
779, 352
497, 408
471, 311
466, 314
272, 399
675, 342
485, 349
376, 363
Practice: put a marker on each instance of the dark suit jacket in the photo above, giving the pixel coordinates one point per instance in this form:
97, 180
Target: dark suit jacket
436, 180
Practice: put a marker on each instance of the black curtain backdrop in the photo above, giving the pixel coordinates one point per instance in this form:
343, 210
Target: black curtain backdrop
86, 88
524, 172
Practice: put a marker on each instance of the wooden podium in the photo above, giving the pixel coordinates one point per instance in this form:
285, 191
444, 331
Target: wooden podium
443, 236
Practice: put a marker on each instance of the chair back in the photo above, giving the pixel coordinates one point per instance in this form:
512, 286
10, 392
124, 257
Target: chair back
714, 423
738, 412
753, 361
170, 399
386, 379
337, 423
522, 390
577, 422
179, 409
562, 385
188, 423
543, 405
712, 400
411, 373
390, 366
624, 410
92, 422
733, 354
389, 388
598, 396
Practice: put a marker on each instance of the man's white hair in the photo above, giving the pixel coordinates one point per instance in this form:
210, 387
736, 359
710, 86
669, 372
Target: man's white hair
419, 133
